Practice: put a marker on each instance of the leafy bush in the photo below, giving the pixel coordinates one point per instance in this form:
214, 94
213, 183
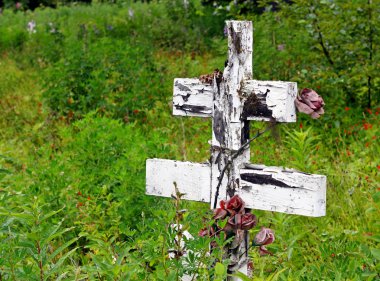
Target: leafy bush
107, 75
106, 63
78, 188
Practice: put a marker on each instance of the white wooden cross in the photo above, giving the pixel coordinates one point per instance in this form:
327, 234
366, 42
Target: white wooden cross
232, 101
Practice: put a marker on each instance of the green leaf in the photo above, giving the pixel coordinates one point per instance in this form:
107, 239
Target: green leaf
4, 171
61, 248
57, 265
375, 253
376, 197
375, 238
275, 275
241, 276
220, 269
55, 234
51, 214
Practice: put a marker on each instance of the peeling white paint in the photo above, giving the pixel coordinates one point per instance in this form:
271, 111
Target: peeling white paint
192, 98
280, 97
261, 187
190, 93
193, 179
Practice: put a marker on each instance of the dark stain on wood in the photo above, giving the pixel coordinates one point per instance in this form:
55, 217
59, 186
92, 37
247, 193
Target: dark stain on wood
255, 106
245, 132
219, 126
263, 179
236, 40
186, 98
246, 187
193, 108
182, 87
231, 110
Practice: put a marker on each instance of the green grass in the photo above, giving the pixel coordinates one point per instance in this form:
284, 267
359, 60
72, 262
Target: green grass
72, 203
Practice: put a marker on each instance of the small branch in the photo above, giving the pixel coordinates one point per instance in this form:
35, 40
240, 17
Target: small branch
246, 251
234, 156
321, 40
244, 146
40, 265
220, 182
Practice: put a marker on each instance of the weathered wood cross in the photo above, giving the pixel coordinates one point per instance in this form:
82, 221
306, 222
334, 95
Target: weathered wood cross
232, 101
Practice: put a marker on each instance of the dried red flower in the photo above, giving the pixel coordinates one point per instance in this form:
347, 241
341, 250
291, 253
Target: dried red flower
248, 221
219, 214
234, 222
235, 204
222, 204
203, 232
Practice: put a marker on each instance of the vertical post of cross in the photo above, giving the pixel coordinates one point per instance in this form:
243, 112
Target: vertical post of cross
230, 132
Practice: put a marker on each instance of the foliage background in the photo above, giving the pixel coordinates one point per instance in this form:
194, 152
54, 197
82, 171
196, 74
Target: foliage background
85, 100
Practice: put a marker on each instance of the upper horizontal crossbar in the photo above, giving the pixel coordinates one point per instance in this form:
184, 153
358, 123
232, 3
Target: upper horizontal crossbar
262, 100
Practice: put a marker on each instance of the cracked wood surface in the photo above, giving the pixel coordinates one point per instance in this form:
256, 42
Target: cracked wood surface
192, 98
260, 100
190, 178
231, 101
262, 187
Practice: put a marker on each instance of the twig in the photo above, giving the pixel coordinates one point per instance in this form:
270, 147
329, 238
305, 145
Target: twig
320, 37
234, 156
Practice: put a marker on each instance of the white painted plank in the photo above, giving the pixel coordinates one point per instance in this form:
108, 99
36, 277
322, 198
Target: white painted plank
305, 194
276, 100
229, 130
283, 190
192, 98
193, 179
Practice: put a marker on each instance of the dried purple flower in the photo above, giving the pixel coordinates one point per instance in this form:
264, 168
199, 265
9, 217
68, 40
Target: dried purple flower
264, 237
248, 221
310, 102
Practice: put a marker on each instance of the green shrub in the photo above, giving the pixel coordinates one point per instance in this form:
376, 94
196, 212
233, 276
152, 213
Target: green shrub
90, 174
109, 75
